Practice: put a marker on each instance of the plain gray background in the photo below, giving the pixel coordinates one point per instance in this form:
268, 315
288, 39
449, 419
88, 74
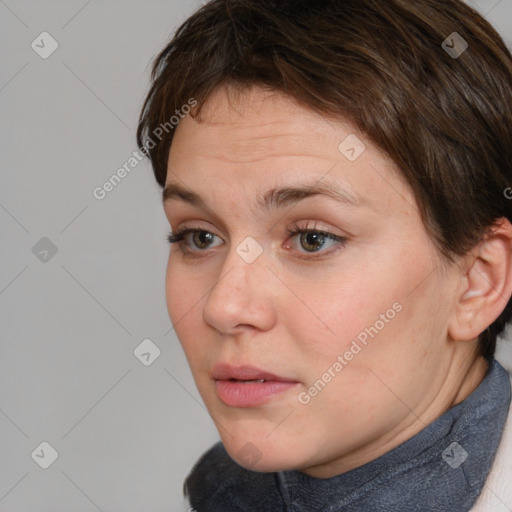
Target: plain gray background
126, 433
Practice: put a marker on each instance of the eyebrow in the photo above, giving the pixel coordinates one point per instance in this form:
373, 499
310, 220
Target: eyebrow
275, 198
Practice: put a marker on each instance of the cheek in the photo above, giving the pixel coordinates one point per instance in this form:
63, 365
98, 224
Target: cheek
172, 280
182, 301
185, 296
351, 305
369, 316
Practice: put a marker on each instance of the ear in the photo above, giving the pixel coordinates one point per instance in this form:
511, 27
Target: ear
486, 286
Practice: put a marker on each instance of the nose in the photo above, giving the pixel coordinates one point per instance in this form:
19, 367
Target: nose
241, 298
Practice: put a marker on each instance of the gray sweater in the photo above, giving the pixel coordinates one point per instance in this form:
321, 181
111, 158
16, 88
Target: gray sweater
442, 468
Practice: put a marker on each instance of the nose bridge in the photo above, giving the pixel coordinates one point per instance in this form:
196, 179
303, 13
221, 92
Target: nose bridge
242, 268
238, 285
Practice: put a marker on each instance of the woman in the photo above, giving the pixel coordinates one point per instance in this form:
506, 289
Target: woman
335, 175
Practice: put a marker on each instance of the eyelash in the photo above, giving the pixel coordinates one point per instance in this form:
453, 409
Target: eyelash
177, 237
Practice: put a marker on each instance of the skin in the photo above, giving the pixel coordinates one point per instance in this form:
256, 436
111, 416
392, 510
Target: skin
293, 317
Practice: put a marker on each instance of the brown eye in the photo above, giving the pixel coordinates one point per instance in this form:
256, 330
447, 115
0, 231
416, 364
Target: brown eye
202, 237
312, 241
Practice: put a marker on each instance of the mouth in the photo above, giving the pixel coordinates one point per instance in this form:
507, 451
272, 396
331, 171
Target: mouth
245, 381
245, 373
248, 386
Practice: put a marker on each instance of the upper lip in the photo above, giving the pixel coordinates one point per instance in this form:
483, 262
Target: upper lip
224, 371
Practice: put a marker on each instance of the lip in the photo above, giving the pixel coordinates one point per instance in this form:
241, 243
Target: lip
236, 393
224, 371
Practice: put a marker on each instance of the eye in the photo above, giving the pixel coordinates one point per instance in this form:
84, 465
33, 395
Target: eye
201, 238
314, 240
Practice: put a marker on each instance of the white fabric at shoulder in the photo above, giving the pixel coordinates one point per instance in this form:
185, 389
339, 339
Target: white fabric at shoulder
497, 493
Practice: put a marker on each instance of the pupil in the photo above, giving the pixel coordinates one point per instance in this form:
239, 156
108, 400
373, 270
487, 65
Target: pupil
204, 237
314, 239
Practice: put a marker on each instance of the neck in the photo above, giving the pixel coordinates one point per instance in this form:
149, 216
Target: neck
473, 376
466, 370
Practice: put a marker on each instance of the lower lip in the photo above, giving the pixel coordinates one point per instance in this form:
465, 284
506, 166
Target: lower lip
249, 394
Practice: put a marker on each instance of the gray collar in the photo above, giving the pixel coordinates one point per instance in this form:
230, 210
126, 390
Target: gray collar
442, 468
445, 465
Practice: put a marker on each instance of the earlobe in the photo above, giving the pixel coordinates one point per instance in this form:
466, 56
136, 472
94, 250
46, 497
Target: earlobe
487, 286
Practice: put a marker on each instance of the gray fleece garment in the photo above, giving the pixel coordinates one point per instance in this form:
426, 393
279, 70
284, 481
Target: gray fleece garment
443, 468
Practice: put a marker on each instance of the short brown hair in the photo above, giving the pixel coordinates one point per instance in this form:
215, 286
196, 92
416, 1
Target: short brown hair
445, 120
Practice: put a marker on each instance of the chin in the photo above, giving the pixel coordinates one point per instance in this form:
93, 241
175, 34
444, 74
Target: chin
261, 455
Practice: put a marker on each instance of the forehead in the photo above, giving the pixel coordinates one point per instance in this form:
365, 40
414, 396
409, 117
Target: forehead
255, 123
257, 137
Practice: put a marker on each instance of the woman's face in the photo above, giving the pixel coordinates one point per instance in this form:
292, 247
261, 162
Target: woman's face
356, 325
